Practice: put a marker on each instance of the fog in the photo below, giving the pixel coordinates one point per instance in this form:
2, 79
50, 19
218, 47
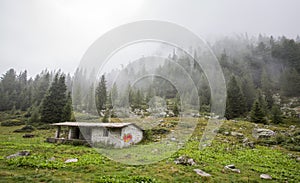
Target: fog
54, 34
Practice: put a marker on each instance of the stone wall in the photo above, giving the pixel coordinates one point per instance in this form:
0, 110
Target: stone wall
131, 135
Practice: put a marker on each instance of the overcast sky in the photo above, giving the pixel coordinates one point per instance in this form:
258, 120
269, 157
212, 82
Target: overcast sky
39, 34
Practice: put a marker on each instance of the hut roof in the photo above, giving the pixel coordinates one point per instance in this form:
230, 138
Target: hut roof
95, 124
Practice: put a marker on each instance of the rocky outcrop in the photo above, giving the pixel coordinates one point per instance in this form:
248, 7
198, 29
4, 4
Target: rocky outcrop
262, 133
184, 160
202, 173
21, 153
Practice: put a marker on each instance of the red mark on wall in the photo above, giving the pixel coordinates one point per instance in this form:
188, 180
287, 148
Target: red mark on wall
127, 137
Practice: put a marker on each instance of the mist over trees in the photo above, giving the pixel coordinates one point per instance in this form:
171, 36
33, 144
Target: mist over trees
255, 70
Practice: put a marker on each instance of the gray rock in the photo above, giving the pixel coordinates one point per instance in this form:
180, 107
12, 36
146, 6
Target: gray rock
245, 140
265, 176
292, 127
232, 168
202, 173
298, 159
21, 153
52, 159
184, 160
73, 160
237, 134
226, 133
262, 133
28, 136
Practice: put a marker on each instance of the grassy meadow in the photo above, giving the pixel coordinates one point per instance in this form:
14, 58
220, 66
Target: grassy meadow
46, 162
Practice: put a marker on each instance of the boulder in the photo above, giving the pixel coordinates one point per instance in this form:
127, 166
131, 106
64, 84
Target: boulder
73, 160
21, 153
184, 160
292, 127
28, 136
237, 134
52, 159
246, 143
202, 173
232, 168
262, 133
265, 176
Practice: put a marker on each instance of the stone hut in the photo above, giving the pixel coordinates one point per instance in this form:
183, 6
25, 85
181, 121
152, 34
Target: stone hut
117, 135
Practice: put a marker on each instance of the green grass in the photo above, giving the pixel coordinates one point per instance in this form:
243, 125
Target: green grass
94, 167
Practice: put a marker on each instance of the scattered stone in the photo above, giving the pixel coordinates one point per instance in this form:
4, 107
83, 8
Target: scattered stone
21, 153
298, 159
171, 113
232, 168
28, 136
73, 160
262, 133
202, 173
237, 134
250, 144
246, 143
265, 176
184, 160
292, 127
173, 139
161, 120
245, 140
52, 159
226, 133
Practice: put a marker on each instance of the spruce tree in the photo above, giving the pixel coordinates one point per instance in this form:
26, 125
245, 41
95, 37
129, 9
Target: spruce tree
35, 115
276, 114
101, 95
175, 107
262, 101
235, 104
67, 112
266, 88
248, 91
55, 100
257, 115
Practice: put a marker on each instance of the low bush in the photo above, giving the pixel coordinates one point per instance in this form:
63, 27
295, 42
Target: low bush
124, 179
43, 127
27, 128
12, 122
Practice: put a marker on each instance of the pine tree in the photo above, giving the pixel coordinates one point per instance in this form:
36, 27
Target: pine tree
35, 115
248, 91
91, 98
262, 102
54, 101
101, 95
176, 106
41, 87
67, 111
266, 88
113, 96
105, 118
9, 86
235, 104
257, 115
276, 114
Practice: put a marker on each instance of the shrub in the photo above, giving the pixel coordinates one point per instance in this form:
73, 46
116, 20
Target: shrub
124, 179
27, 128
12, 122
43, 127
